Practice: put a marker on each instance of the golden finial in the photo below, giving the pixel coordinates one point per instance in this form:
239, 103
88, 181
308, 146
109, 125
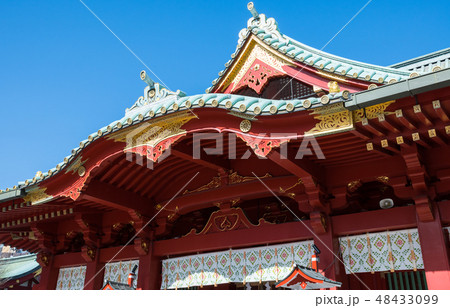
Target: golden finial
333, 87
38, 174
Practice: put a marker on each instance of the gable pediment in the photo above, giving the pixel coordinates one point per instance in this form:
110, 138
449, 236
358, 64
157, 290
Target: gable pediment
255, 65
263, 43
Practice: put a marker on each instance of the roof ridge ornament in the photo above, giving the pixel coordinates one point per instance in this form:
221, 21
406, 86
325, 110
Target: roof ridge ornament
251, 8
153, 92
261, 26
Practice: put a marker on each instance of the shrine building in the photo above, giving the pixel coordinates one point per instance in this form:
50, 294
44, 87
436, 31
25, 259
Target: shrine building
291, 150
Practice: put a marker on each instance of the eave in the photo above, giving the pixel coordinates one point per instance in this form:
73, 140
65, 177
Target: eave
266, 30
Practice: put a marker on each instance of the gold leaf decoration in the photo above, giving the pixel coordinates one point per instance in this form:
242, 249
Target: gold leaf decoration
372, 112
354, 185
153, 132
233, 178
333, 118
284, 190
77, 163
36, 195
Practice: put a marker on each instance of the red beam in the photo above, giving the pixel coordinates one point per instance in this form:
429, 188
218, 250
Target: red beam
112, 254
68, 259
373, 221
248, 190
272, 234
116, 198
444, 211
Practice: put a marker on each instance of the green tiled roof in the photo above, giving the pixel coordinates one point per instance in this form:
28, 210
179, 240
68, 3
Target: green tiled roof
267, 30
147, 108
17, 267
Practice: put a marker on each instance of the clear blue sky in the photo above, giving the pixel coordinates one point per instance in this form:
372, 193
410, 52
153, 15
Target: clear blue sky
63, 75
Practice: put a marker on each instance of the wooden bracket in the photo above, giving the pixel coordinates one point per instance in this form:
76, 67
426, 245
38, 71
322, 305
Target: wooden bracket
318, 222
418, 177
142, 245
88, 253
89, 230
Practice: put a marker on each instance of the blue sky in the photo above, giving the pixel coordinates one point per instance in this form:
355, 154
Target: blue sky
63, 75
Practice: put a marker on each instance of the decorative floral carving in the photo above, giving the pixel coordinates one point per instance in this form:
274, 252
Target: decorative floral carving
88, 253
233, 178
257, 76
245, 126
43, 259
75, 166
216, 182
354, 185
36, 195
372, 112
74, 191
332, 118
259, 60
284, 190
226, 220
154, 132
262, 146
154, 152
383, 179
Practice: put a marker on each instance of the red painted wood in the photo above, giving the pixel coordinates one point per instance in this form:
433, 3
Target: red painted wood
374, 221
149, 277
444, 210
309, 76
49, 277
330, 265
245, 191
68, 259
112, 254
94, 275
435, 253
269, 234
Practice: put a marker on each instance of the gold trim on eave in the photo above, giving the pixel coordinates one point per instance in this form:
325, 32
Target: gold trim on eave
153, 131
336, 118
36, 195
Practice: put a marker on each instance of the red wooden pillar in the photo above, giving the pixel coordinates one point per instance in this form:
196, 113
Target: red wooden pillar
94, 275
149, 276
49, 275
435, 253
329, 264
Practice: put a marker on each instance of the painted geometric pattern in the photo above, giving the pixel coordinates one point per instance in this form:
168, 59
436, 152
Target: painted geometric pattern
71, 278
258, 264
382, 251
118, 271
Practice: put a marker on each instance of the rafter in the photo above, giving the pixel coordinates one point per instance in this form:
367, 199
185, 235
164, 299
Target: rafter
422, 115
116, 198
388, 123
440, 112
312, 181
211, 161
405, 119
373, 128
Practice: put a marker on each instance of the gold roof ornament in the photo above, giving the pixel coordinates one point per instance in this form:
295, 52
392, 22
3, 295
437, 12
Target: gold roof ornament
333, 87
